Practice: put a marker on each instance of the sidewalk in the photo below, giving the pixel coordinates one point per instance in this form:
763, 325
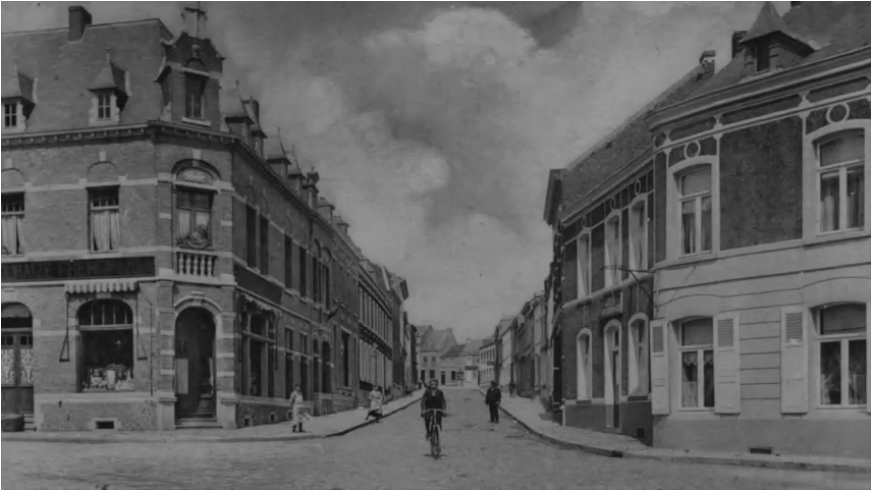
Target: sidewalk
531, 415
330, 425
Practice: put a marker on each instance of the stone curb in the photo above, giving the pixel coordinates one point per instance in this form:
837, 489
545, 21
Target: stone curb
775, 463
17, 437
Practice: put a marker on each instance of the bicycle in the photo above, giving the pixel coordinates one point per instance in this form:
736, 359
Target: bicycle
434, 432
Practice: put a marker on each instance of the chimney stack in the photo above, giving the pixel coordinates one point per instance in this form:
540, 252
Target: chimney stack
79, 20
736, 49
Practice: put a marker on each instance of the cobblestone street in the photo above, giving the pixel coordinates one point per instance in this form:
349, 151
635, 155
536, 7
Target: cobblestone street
392, 454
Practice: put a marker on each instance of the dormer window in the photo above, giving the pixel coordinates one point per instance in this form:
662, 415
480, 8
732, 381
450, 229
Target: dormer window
195, 96
11, 115
104, 106
761, 52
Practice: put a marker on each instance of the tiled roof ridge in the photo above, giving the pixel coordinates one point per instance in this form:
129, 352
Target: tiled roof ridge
644, 111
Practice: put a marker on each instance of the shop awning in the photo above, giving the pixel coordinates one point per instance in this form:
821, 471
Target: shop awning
114, 286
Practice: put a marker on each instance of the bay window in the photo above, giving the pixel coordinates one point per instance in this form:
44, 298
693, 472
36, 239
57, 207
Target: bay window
106, 345
697, 364
612, 251
584, 265
841, 161
103, 210
842, 348
637, 232
194, 217
13, 224
695, 205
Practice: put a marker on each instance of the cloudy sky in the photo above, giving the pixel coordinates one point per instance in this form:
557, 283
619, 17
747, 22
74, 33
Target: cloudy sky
434, 125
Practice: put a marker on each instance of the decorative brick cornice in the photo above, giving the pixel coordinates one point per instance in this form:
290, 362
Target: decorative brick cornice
74, 136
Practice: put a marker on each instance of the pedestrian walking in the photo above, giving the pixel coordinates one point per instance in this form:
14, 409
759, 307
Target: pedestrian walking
492, 398
296, 399
376, 398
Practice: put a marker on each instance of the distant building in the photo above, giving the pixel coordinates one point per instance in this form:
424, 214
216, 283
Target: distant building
487, 360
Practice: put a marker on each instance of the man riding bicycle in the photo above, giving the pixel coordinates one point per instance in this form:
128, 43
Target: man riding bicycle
433, 400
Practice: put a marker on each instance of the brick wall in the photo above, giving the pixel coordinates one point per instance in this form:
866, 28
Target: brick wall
761, 174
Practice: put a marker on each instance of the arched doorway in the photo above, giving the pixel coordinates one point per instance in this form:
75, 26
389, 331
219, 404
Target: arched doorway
195, 364
17, 323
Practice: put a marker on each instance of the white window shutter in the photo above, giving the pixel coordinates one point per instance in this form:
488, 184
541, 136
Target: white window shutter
660, 369
727, 363
795, 361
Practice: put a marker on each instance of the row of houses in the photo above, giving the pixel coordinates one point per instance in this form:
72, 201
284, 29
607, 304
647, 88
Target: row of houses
710, 281
167, 262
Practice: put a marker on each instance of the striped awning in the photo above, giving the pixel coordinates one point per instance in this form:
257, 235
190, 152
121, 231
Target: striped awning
113, 286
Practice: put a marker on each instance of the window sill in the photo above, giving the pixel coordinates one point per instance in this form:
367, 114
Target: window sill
696, 410
196, 121
836, 236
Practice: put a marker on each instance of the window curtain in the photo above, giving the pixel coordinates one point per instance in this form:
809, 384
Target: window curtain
100, 235
184, 223
12, 229
689, 379
113, 230
830, 190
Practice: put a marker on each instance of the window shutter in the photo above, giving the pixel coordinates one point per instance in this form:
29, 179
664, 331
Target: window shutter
727, 364
660, 368
868, 357
795, 366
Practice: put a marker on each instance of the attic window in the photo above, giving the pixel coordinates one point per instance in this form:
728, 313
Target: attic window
762, 56
104, 105
10, 115
195, 95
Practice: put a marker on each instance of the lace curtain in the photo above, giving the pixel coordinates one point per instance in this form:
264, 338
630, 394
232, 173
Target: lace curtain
104, 230
13, 226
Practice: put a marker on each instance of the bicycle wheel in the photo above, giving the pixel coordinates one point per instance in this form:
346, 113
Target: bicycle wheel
435, 443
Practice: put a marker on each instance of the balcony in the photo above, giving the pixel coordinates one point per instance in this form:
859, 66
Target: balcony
196, 264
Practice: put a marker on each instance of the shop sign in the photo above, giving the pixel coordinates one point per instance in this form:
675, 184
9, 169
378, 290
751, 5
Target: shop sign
78, 269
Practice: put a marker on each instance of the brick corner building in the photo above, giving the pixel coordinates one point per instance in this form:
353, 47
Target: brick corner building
166, 262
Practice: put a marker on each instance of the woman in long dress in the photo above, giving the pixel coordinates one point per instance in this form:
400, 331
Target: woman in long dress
295, 399
376, 399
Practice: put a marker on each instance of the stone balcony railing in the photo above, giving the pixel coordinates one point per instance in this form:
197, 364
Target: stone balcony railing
196, 264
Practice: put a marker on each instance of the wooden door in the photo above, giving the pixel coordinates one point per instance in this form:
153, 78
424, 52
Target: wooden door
18, 372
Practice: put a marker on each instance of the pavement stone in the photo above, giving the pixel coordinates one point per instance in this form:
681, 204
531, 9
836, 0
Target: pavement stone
531, 415
390, 455
329, 425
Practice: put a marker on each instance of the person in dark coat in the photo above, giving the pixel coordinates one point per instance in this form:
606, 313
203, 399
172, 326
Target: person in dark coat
492, 398
433, 398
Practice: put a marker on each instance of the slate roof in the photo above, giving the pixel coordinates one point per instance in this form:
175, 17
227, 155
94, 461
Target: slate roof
835, 27
628, 141
472, 348
16, 84
274, 148
453, 352
231, 104
433, 339
63, 71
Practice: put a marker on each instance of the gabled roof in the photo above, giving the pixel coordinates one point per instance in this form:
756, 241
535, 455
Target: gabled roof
274, 148
628, 141
453, 352
110, 77
472, 348
835, 27
437, 340
768, 22
232, 106
17, 85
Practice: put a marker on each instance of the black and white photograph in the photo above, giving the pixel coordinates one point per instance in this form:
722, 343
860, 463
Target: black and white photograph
315, 245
